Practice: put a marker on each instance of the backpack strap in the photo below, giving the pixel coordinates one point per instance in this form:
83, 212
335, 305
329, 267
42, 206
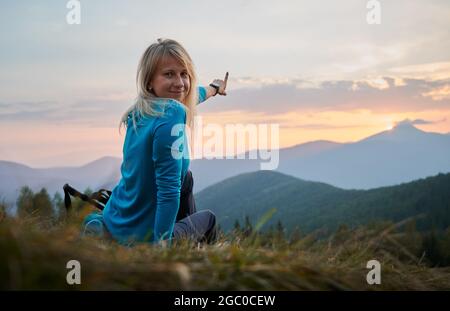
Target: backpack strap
98, 198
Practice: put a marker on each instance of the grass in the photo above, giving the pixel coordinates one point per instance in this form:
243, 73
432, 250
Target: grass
34, 256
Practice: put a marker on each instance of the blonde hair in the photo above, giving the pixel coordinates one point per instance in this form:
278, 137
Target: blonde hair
144, 104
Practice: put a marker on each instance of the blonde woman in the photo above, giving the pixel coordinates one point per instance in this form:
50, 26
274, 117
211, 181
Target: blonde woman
153, 201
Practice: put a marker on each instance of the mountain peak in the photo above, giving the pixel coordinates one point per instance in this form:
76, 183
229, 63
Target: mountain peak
402, 131
405, 126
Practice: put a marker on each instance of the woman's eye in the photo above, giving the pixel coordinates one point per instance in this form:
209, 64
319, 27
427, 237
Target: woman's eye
168, 74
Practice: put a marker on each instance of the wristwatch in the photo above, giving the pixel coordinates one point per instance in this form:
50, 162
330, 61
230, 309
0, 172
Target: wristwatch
216, 87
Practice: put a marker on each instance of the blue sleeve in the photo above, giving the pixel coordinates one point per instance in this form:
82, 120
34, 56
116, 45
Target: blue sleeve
201, 94
167, 157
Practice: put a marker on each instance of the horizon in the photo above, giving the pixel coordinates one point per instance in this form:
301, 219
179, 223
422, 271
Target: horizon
403, 123
64, 87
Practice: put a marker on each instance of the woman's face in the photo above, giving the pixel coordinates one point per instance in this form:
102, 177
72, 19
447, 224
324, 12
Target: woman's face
171, 79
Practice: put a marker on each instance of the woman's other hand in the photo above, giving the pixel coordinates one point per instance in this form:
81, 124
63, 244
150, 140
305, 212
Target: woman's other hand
222, 84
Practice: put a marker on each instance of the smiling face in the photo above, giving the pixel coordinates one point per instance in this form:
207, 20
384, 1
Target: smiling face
171, 79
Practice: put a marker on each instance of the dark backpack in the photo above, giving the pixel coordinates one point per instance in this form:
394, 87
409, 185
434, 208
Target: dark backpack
98, 198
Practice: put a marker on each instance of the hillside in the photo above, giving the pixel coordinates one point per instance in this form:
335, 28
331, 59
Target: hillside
312, 205
34, 258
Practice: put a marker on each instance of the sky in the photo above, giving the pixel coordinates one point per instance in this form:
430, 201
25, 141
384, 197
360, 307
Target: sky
318, 69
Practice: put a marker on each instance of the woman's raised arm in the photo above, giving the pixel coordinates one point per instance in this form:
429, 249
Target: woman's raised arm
218, 86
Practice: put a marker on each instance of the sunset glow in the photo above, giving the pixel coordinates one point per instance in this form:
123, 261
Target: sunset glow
65, 87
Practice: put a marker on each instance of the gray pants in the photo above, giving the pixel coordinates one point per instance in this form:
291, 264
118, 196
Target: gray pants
198, 226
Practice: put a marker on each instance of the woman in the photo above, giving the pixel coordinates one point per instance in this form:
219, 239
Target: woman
153, 200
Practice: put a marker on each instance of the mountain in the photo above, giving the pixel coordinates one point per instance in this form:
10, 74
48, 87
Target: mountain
312, 205
94, 175
402, 154
208, 172
403, 132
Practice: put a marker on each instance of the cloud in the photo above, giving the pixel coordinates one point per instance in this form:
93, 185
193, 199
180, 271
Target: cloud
417, 122
86, 112
322, 126
384, 94
430, 71
28, 106
439, 93
377, 95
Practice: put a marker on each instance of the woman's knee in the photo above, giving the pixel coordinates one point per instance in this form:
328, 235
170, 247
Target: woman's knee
210, 215
211, 233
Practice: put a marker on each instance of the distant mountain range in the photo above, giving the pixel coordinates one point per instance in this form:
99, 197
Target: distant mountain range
391, 157
402, 154
96, 174
312, 205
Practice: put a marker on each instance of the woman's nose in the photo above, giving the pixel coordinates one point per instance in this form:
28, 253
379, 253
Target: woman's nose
179, 81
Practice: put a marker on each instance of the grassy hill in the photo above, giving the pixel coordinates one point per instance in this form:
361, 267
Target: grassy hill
34, 251
35, 257
311, 205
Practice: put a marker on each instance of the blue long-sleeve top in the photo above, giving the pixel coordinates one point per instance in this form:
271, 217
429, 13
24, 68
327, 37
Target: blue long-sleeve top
144, 204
